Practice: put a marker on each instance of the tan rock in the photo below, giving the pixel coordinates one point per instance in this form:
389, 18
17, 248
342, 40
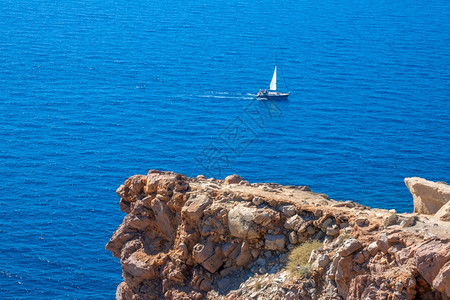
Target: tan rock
215, 226
391, 219
138, 222
362, 221
359, 258
293, 239
327, 222
129, 248
163, 216
428, 196
233, 179
213, 263
442, 280
444, 212
333, 231
240, 221
288, 210
124, 292
257, 201
245, 256
310, 229
350, 246
344, 275
193, 209
139, 266
202, 251
205, 285
227, 248
383, 243
321, 261
408, 222
294, 222
132, 188
431, 256
265, 216
124, 205
275, 242
122, 235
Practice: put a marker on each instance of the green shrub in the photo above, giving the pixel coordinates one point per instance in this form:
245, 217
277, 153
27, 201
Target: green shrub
298, 258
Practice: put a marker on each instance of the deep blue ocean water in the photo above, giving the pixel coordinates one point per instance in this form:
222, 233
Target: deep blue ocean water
93, 92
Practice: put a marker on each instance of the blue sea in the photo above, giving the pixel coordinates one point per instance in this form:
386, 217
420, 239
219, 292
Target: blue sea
92, 92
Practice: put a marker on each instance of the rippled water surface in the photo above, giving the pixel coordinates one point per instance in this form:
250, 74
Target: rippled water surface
95, 91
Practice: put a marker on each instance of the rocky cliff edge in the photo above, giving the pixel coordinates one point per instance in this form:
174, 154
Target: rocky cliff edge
198, 238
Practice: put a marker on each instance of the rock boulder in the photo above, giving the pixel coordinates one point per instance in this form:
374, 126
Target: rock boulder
428, 196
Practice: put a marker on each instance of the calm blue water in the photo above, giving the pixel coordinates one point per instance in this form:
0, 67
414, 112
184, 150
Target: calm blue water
93, 92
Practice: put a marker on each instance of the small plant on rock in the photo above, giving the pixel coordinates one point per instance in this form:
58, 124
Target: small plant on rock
298, 258
346, 236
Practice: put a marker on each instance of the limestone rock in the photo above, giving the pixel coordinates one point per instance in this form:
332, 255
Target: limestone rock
428, 196
350, 246
359, 258
129, 248
138, 266
163, 216
444, 212
245, 255
233, 179
205, 285
228, 248
322, 261
202, 252
408, 222
327, 222
240, 221
293, 239
213, 263
193, 210
257, 201
333, 230
383, 243
133, 188
373, 248
362, 221
265, 216
390, 220
344, 274
124, 292
198, 238
442, 280
431, 256
294, 223
288, 210
125, 206
122, 235
275, 242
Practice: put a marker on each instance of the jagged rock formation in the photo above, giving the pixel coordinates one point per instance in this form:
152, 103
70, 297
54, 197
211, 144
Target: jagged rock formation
198, 238
429, 196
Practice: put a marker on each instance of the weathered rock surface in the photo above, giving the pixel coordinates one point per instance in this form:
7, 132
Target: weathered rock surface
198, 238
444, 212
428, 196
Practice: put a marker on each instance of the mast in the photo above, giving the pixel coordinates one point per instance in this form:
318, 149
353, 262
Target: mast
273, 83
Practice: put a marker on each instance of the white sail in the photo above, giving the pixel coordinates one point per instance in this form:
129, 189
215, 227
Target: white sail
273, 83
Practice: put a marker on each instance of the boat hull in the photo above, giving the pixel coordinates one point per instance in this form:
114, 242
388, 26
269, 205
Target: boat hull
273, 96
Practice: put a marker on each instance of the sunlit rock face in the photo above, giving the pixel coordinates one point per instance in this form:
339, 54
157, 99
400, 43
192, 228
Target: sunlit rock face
198, 238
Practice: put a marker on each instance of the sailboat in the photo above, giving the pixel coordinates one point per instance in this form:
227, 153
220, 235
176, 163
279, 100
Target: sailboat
272, 93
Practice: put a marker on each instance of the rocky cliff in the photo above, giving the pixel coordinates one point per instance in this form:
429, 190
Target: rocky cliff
198, 238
